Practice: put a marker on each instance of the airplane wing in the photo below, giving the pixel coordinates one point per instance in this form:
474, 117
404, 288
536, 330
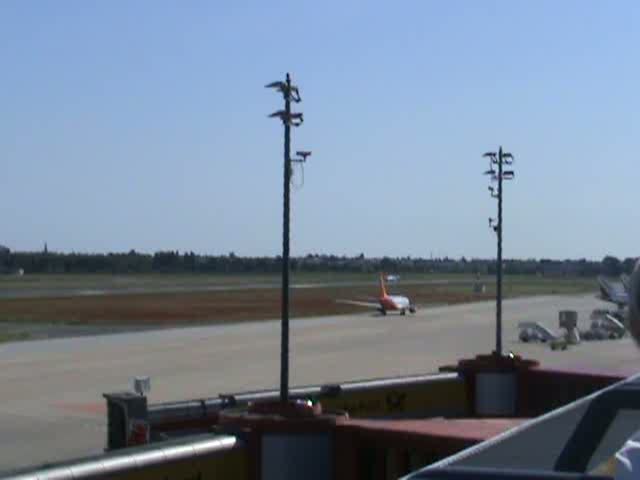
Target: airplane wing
360, 303
612, 292
626, 282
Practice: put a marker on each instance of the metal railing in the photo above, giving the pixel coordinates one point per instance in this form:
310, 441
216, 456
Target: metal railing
181, 453
209, 407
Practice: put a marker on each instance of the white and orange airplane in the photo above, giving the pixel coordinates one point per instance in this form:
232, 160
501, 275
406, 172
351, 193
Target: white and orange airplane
387, 303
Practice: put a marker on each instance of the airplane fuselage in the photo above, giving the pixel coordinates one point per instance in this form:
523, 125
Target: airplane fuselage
395, 303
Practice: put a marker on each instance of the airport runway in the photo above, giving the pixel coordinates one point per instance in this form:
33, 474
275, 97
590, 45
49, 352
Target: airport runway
51, 406
38, 291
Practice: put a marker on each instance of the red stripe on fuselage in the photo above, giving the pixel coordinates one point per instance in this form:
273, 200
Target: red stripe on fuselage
388, 304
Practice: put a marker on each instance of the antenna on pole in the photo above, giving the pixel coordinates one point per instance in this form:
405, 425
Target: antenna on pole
497, 177
290, 93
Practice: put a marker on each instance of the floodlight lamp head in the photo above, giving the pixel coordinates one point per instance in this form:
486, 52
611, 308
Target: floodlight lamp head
279, 113
489, 154
296, 119
276, 85
507, 155
295, 94
304, 153
491, 171
508, 175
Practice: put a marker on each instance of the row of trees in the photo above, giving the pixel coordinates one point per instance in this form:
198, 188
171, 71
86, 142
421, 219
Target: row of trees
189, 262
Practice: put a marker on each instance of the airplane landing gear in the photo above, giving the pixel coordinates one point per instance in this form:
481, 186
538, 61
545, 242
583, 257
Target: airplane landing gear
382, 311
403, 312
412, 309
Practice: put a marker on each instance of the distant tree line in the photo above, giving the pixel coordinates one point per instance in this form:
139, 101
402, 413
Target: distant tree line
189, 262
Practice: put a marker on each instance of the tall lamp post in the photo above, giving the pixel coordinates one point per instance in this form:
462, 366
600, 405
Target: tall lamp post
497, 177
290, 93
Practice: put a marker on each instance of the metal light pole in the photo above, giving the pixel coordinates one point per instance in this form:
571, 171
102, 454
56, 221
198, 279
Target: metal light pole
290, 94
500, 159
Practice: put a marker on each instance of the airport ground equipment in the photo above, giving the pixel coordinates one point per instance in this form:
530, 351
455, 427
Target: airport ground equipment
604, 326
568, 320
535, 332
612, 324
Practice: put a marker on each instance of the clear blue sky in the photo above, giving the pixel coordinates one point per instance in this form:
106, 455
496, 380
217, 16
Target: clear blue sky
143, 125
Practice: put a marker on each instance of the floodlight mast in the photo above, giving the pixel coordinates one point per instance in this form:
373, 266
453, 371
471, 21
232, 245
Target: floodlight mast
290, 93
500, 159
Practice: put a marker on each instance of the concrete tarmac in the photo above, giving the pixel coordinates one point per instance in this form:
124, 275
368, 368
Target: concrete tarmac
51, 406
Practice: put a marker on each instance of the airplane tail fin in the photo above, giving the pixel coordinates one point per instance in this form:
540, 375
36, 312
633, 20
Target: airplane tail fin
383, 289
